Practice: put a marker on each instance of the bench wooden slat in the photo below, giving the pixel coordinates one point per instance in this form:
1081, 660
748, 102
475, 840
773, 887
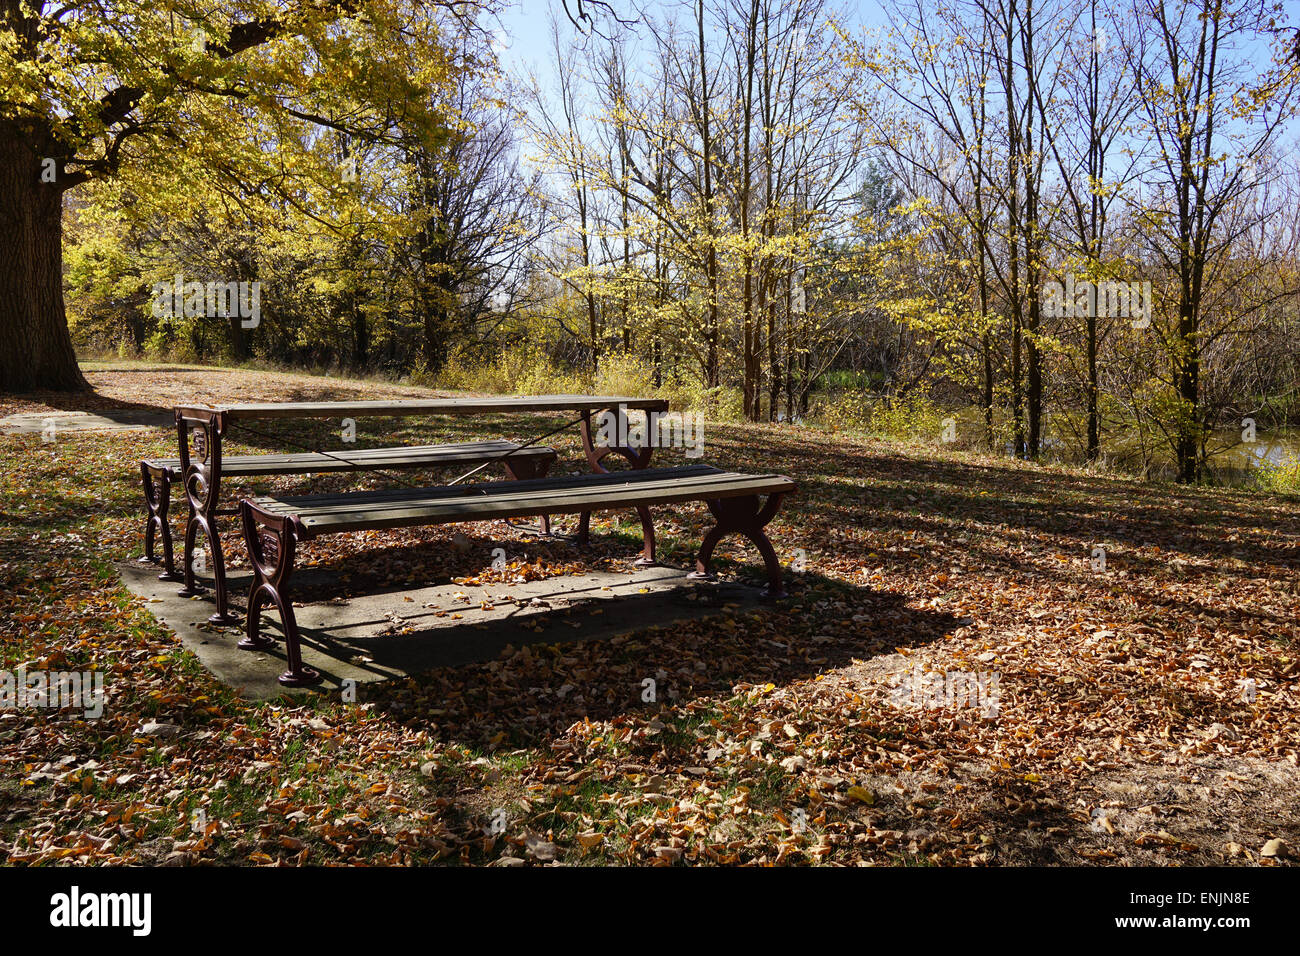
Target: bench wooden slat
379, 496
461, 509
360, 459
327, 502
396, 508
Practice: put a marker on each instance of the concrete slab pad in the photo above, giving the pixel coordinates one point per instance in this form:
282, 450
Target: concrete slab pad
393, 633
112, 419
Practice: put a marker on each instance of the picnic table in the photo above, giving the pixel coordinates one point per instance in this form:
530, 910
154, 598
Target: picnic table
200, 466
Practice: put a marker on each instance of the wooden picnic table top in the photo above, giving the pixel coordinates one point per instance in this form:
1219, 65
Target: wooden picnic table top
431, 406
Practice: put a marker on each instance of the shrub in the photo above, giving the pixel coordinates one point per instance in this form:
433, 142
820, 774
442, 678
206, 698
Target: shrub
914, 419
1282, 477
155, 346
850, 409
624, 374
522, 370
721, 403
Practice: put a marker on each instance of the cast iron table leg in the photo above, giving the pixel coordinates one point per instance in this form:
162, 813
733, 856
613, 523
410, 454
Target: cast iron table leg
202, 477
521, 469
157, 498
638, 458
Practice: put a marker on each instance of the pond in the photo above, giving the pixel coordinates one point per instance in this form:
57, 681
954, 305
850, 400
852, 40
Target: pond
1234, 461
1230, 459
1269, 448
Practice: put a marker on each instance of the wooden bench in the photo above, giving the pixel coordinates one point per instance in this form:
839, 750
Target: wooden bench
158, 475
274, 526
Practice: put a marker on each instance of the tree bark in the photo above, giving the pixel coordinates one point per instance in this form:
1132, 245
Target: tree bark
35, 347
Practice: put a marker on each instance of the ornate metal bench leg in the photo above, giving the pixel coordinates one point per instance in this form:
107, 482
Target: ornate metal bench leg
271, 541
647, 556
746, 517
151, 516
157, 498
165, 528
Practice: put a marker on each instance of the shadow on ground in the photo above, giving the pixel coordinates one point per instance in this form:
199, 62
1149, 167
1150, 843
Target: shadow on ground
390, 632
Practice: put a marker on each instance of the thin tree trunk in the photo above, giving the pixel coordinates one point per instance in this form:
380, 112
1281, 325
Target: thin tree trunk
711, 370
1094, 235
1033, 353
1013, 243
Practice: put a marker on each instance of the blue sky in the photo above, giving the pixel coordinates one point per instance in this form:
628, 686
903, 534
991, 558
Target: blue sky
525, 35
526, 26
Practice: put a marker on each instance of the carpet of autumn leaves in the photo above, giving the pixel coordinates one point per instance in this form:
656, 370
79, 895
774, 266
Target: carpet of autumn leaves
1148, 712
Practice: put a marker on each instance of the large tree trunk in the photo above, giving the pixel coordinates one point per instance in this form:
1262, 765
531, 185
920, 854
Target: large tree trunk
35, 348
